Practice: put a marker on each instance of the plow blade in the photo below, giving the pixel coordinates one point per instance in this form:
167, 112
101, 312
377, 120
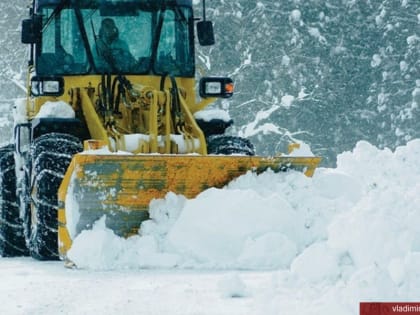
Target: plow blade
122, 186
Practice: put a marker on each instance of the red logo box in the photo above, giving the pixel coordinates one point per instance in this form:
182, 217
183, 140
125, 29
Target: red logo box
389, 308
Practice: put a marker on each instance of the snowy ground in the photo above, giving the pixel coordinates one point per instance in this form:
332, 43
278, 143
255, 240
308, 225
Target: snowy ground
31, 287
268, 244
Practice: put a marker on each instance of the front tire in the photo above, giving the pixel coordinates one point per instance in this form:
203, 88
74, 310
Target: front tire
228, 145
51, 155
12, 240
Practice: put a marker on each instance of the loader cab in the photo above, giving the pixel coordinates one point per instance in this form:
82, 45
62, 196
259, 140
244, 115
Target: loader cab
152, 37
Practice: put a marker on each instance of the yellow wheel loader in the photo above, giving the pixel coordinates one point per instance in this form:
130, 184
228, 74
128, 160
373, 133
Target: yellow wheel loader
112, 120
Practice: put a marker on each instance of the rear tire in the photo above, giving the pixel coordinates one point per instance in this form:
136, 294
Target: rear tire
51, 155
228, 145
12, 240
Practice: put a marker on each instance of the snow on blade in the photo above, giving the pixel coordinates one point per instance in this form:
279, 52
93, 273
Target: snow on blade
209, 114
56, 109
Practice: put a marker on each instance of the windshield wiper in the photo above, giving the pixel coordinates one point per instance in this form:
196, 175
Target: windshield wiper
85, 39
156, 39
55, 13
181, 15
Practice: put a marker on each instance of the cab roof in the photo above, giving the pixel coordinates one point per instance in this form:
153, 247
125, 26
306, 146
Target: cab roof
93, 3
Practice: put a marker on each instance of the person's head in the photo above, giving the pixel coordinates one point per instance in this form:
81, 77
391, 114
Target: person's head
108, 31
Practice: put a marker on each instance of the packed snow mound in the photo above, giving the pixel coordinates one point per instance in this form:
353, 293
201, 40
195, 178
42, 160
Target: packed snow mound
56, 109
209, 114
356, 222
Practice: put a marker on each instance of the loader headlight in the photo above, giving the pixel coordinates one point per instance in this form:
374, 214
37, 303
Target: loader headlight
49, 86
216, 87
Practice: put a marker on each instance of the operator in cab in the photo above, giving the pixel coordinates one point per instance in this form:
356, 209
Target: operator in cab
111, 52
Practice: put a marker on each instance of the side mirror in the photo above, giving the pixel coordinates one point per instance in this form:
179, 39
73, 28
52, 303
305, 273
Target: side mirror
31, 30
216, 87
22, 137
205, 33
48, 86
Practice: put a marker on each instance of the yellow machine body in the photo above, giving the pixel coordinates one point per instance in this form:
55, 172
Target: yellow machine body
124, 166
135, 111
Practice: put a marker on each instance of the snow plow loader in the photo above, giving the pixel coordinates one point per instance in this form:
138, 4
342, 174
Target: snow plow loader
112, 120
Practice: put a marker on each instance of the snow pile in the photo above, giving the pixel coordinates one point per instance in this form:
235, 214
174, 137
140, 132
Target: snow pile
101, 249
209, 114
56, 109
256, 222
354, 227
